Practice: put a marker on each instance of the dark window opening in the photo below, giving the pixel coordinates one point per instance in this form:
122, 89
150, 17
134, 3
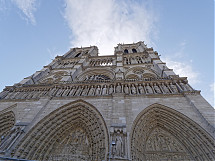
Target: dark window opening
78, 55
134, 50
126, 51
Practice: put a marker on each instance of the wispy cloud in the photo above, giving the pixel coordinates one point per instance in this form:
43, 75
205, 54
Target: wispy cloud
212, 87
28, 7
106, 23
212, 96
183, 70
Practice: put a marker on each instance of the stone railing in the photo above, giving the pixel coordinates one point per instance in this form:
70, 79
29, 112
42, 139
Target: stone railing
103, 61
139, 59
102, 88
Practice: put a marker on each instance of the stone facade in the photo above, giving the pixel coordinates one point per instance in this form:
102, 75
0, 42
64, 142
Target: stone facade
126, 106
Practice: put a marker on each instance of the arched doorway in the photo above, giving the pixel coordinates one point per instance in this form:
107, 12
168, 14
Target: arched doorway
75, 131
161, 133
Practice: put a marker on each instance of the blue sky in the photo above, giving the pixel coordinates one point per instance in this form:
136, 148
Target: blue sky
33, 32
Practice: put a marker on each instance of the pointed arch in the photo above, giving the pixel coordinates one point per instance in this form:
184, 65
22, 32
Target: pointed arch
106, 73
126, 51
53, 134
195, 143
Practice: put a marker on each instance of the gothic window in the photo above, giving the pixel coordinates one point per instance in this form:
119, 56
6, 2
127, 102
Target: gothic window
78, 55
98, 77
126, 51
134, 50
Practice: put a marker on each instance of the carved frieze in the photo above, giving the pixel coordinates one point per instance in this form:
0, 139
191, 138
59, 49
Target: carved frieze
101, 89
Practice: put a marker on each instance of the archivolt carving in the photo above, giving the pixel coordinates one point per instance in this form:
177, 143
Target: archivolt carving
141, 72
148, 76
158, 87
93, 74
7, 121
163, 133
132, 76
54, 77
57, 135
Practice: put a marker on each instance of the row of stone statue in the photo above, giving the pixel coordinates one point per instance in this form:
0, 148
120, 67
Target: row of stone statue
136, 60
96, 90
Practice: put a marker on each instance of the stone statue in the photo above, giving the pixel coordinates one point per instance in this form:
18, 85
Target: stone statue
72, 92
165, 89
133, 61
185, 86
126, 89
31, 93
60, 92
20, 94
44, 92
85, 91
91, 91
119, 149
14, 94
182, 85
104, 90
79, 90
148, 89
36, 94
66, 92
133, 89
10, 138
188, 87
141, 89
111, 89
25, 94
157, 89
138, 59
41, 91
52, 91
173, 88
9, 94
98, 90
3, 94
118, 88
125, 60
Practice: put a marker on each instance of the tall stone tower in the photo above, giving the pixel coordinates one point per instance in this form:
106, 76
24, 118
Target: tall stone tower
126, 106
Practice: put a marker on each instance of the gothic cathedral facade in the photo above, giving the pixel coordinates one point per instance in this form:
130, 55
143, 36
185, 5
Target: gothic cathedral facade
86, 107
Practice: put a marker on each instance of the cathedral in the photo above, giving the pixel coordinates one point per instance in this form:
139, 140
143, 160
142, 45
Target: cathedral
124, 107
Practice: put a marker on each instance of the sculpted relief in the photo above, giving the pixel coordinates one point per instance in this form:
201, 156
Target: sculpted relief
119, 142
54, 77
161, 133
162, 146
98, 90
74, 147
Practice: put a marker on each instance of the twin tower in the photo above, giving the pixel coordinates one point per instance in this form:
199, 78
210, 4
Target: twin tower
126, 106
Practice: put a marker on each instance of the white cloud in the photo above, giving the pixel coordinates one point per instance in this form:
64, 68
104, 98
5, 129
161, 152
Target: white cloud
212, 87
105, 23
28, 7
2, 5
183, 70
211, 97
